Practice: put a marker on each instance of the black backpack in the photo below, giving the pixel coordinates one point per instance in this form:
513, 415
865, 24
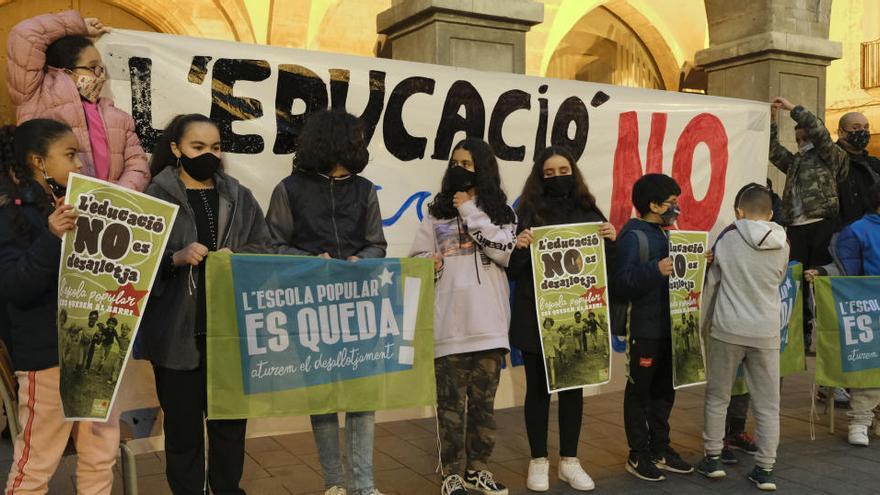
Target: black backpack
619, 306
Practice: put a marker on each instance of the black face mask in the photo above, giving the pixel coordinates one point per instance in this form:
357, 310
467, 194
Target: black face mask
859, 139
461, 179
560, 186
670, 215
202, 167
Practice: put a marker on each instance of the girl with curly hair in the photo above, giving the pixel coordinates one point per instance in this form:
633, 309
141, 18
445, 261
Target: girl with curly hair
324, 208
470, 233
36, 159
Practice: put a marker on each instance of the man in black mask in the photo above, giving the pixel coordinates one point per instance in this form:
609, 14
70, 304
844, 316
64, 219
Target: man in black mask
864, 170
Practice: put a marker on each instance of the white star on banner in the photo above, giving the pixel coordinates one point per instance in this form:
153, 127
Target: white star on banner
385, 277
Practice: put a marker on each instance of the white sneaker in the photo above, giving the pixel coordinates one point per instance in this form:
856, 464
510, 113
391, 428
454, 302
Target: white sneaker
335, 490
571, 472
858, 435
841, 396
539, 475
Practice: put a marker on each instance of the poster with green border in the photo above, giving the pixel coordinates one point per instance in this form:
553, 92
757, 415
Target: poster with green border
688, 252
571, 298
293, 335
108, 264
847, 331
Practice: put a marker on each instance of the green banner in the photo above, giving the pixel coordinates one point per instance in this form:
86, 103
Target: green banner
291, 335
688, 252
571, 297
108, 264
791, 328
848, 331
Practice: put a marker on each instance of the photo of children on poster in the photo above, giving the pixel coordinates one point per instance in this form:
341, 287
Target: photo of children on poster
688, 252
108, 264
571, 295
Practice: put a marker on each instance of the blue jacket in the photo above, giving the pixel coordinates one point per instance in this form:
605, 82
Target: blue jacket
858, 246
29, 280
642, 284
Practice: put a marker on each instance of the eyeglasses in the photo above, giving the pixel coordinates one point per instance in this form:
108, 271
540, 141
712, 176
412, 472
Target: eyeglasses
97, 70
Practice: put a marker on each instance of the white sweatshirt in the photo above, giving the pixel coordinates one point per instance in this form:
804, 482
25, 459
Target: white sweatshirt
472, 301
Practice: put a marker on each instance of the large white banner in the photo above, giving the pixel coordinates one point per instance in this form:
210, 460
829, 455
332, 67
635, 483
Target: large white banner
260, 96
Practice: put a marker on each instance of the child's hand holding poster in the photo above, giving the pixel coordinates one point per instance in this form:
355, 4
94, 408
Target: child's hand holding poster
688, 253
108, 263
571, 296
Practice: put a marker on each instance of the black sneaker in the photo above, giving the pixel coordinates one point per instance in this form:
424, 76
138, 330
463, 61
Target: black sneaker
742, 441
483, 482
453, 485
763, 478
643, 467
711, 467
728, 457
672, 462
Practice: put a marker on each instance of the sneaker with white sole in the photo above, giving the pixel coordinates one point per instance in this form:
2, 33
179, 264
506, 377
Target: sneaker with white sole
763, 479
643, 467
571, 472
453, 485
335, 490
539, 475
858, 435
711, 467
672, 462
483, 482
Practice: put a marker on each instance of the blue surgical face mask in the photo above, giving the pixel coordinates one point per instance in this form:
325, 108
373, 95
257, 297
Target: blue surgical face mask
807, 147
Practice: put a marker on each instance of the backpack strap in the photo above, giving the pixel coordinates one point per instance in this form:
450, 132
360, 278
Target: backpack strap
643, 245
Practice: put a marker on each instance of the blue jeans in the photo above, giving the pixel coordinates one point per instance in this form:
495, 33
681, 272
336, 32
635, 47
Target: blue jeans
359, 428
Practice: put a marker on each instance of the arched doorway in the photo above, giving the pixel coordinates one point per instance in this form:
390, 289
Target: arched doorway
13, 12
603, 48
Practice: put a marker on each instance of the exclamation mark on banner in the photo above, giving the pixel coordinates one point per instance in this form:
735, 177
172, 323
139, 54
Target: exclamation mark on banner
412, 288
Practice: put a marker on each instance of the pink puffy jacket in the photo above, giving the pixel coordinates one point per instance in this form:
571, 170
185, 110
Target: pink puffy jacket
49, 93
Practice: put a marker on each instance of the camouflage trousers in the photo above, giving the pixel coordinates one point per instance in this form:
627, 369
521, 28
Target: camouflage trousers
466, 386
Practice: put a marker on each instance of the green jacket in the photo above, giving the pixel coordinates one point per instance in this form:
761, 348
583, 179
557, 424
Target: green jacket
812, 175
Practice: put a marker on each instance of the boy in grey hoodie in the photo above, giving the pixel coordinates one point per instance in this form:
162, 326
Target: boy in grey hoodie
742, 287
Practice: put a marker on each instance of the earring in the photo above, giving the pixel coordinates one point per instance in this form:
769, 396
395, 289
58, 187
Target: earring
178, 162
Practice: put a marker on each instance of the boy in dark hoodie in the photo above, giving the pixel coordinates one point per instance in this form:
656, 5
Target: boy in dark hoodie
649, 394
742, 294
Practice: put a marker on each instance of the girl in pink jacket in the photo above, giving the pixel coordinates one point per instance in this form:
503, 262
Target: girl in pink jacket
55, 72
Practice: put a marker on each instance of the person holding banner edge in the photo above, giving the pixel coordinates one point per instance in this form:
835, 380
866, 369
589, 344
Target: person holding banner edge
649, 395
36, 159
216, 213
55, 71
555, 193
326, 209
470, 232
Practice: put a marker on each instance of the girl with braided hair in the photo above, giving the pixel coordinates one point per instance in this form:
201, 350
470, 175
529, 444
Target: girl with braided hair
36, 159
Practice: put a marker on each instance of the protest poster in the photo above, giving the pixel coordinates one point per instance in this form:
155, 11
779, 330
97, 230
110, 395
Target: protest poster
571, 298
848, 331
791, 328
292, 335
688, 252
108, 264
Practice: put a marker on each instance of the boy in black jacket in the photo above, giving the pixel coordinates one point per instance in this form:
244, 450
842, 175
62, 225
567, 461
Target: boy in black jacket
649, 395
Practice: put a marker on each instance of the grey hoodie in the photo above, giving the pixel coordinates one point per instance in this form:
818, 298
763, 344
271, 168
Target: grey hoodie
742, 286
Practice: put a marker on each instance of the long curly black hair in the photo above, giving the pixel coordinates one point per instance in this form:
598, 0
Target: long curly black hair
173, 133
531, 209
490, 196
330, 138
17, 183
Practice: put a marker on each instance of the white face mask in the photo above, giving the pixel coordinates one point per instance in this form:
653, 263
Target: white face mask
807, 147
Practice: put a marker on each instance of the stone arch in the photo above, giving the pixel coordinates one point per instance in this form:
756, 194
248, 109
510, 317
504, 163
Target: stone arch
672, 38
217, 19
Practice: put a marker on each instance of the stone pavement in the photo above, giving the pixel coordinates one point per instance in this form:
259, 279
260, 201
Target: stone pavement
406, 455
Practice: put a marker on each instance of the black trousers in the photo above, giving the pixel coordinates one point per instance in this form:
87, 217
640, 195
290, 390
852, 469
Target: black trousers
809, 246
737, 413
537, 411
649, 396
183, 396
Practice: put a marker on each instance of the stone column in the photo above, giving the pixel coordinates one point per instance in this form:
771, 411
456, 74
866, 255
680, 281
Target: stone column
761, 49
478, 34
